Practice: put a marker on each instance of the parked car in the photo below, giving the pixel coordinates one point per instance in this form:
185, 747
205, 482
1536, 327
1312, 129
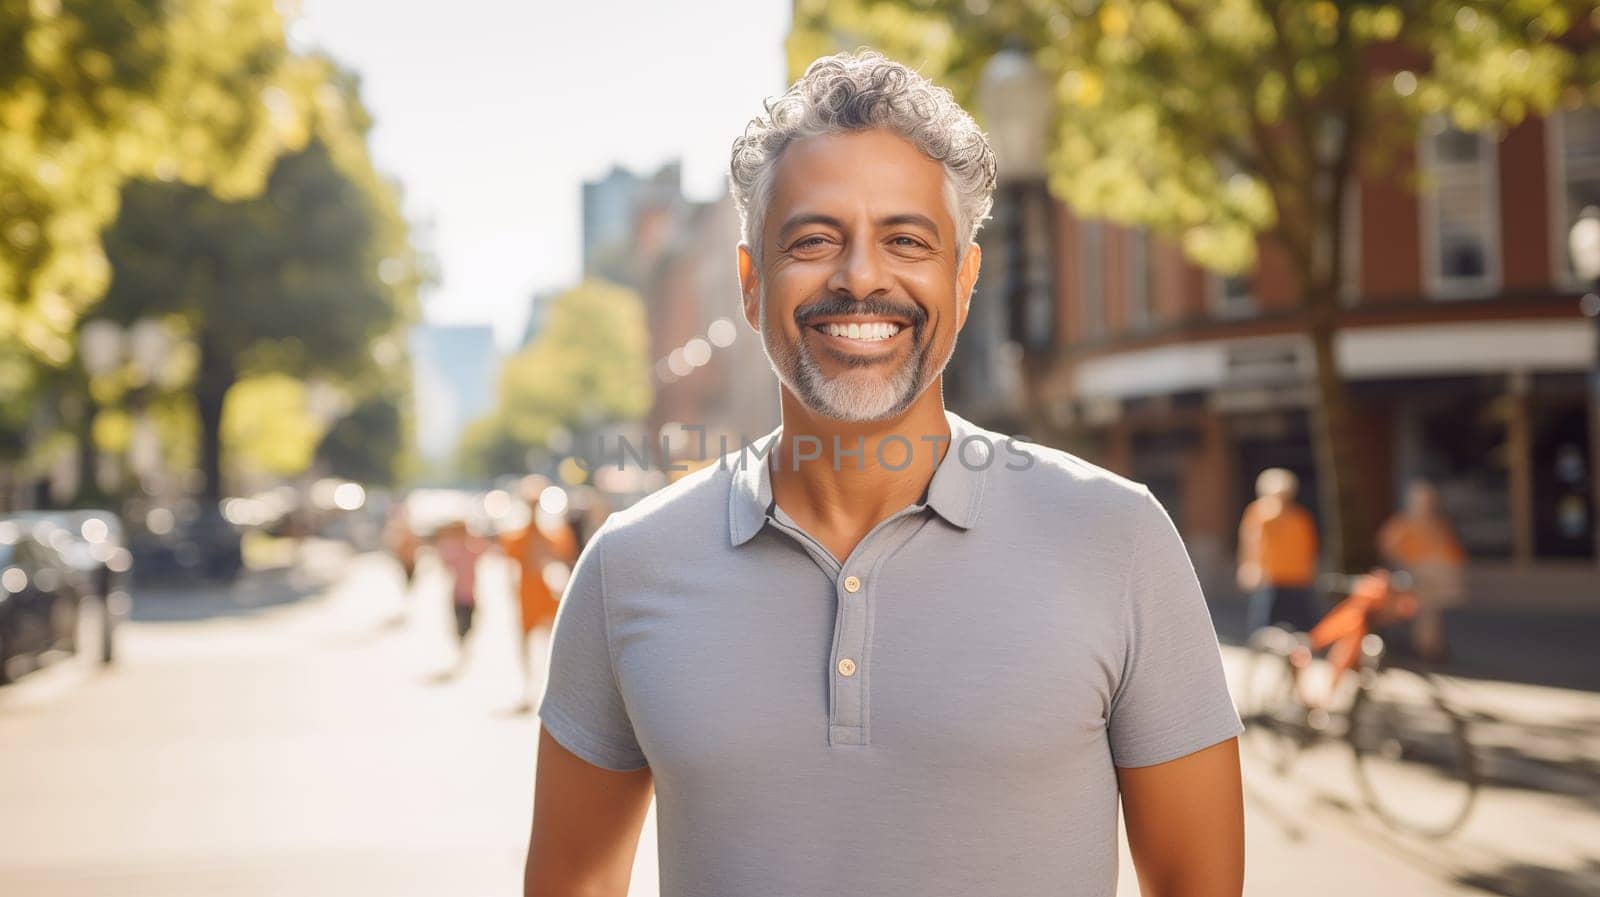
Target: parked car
39, 597
189, 542
93, 544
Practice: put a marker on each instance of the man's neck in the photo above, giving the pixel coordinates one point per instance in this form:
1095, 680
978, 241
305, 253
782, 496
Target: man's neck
838, 479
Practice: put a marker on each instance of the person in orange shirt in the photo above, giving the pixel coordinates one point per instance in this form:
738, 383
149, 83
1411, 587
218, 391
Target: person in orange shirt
543, 553
1278, 555
1420, 540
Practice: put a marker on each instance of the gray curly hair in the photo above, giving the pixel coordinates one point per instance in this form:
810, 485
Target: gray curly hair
856, 92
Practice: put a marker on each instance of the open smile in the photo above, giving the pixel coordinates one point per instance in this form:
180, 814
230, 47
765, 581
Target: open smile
863, 332
864, 341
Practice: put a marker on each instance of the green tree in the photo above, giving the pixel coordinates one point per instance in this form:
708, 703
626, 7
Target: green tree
488, 449
590, 364
267, 427
94, 93
303, 279
368, 444
1228, 122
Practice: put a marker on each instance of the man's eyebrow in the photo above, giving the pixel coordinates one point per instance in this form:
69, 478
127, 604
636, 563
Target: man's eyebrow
808, 218
912, 219
903, 219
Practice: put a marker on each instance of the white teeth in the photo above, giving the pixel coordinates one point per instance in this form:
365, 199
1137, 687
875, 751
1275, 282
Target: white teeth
875, 330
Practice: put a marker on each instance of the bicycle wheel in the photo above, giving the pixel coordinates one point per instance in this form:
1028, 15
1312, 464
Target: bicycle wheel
1272, 714
1413, 759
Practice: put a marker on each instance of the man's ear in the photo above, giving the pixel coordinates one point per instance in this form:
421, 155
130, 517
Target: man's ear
750, 287
966, 279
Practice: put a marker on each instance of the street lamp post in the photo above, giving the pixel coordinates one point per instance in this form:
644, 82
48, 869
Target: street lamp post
104, 347
101, 349
1017, 104
1583, 246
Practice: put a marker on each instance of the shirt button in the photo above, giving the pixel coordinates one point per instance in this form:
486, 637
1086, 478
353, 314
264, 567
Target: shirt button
847, 667
852, 584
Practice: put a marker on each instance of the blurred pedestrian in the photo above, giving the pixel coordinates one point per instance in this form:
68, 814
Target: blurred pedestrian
1278, 555
401, 540
543, 553
586, 511
459, 550
1420, 540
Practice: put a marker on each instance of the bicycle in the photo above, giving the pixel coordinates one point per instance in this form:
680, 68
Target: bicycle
1413, 758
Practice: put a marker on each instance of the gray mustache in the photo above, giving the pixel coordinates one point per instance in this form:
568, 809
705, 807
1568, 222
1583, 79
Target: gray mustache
841, 305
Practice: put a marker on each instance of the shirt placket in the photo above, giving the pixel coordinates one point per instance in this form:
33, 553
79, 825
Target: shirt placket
854, 584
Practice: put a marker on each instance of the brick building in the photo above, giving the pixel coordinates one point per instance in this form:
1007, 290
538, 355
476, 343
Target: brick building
710, 369
1461, 340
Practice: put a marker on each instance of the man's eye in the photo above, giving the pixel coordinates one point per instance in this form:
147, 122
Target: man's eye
807, 243
910, 242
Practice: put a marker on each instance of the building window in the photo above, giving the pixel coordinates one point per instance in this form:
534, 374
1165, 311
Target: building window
1460, 214
1091, 277
1453, 433
1232, 295
1140, 279
1038, 274
1575, 140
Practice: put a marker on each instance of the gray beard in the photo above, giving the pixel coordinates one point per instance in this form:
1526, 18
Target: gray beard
858, 395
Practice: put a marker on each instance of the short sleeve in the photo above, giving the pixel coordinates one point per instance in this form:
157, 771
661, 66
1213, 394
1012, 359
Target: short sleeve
1173, 697
582, 707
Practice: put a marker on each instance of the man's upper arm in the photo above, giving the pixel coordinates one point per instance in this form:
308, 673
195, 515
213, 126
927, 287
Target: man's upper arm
1173, 728
586, 825
1185, 822
593, 782
583, 706
1172, 698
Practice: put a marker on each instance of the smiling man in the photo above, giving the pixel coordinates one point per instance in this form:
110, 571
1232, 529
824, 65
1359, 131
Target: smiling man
890, 653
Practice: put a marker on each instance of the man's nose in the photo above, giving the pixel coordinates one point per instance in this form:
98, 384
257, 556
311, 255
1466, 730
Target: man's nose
860, 271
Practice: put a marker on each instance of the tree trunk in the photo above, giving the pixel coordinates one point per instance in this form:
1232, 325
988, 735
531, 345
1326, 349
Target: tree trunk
1347, 533
216, 377
88, 453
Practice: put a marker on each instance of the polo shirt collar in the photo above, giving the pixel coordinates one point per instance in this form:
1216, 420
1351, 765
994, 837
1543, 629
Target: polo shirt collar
750, 497
954, 493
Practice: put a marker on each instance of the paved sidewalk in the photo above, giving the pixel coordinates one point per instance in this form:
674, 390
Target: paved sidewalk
274, 748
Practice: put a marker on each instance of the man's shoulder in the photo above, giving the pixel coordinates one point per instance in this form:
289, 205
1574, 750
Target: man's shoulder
694, 507
1030, 473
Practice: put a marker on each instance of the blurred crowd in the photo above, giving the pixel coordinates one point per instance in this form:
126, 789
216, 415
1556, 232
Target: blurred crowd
540, 530
1278, 550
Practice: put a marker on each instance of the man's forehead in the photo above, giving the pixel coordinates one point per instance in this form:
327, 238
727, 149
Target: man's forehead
878, 170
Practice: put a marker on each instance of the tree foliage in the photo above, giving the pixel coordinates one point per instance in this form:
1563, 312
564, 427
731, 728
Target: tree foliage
266, 426
1219, 120
310, 277
368, 444
589, 364
95, 93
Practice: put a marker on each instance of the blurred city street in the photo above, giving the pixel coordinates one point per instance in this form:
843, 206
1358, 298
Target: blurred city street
283, 737
250, 744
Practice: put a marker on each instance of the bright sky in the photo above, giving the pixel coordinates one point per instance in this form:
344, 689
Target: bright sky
493, 112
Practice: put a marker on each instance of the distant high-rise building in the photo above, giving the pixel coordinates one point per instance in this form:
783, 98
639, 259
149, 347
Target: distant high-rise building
538, 312
624, 215
454, 369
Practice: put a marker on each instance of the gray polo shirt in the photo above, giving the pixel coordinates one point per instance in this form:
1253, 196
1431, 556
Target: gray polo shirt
939, 713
